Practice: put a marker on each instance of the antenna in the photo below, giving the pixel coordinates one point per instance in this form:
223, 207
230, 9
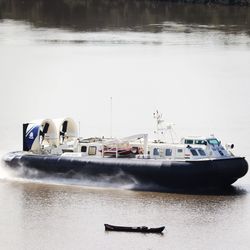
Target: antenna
79, 128
111, 114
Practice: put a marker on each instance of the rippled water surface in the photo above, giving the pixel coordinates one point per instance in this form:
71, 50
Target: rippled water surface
67, 58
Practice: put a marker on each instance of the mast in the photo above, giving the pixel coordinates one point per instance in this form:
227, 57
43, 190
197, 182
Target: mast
162, 130
159, 129
111, 116
79, 129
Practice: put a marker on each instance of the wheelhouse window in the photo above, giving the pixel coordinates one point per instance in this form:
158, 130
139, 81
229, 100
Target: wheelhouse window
201, 152
83, 149
156, 151
189, 141
213, 141
168, 152
193, 152
180, 150
200, 142
92, 150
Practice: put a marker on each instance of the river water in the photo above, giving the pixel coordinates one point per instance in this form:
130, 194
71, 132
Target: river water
68, 58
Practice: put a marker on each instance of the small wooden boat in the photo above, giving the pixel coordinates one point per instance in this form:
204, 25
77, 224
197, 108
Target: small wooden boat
142, 229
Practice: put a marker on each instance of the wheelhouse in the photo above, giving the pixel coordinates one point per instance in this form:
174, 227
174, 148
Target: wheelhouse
210, 145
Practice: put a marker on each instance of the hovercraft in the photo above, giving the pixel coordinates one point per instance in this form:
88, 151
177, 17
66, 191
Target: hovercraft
54, 147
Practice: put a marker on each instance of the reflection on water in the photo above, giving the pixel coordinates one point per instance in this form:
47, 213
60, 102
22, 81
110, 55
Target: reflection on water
136, 15
66, 217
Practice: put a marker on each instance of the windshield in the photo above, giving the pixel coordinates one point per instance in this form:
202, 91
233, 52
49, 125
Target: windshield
213, 141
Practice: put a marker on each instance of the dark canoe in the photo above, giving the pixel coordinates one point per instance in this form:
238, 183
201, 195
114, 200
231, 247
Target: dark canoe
142, 229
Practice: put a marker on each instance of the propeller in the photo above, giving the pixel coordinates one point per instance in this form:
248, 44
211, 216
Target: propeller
45, 129
64, 129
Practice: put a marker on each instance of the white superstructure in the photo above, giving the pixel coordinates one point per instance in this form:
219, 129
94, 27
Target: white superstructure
60, 137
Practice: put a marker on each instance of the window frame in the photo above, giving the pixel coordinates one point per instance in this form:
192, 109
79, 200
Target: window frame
194, 152
168, 150
90, 148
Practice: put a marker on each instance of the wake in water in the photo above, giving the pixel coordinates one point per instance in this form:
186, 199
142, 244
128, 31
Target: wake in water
25, 174
120, 180
5, 173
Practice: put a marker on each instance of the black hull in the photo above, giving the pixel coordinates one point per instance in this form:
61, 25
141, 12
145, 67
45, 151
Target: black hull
133, 229
203, 173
